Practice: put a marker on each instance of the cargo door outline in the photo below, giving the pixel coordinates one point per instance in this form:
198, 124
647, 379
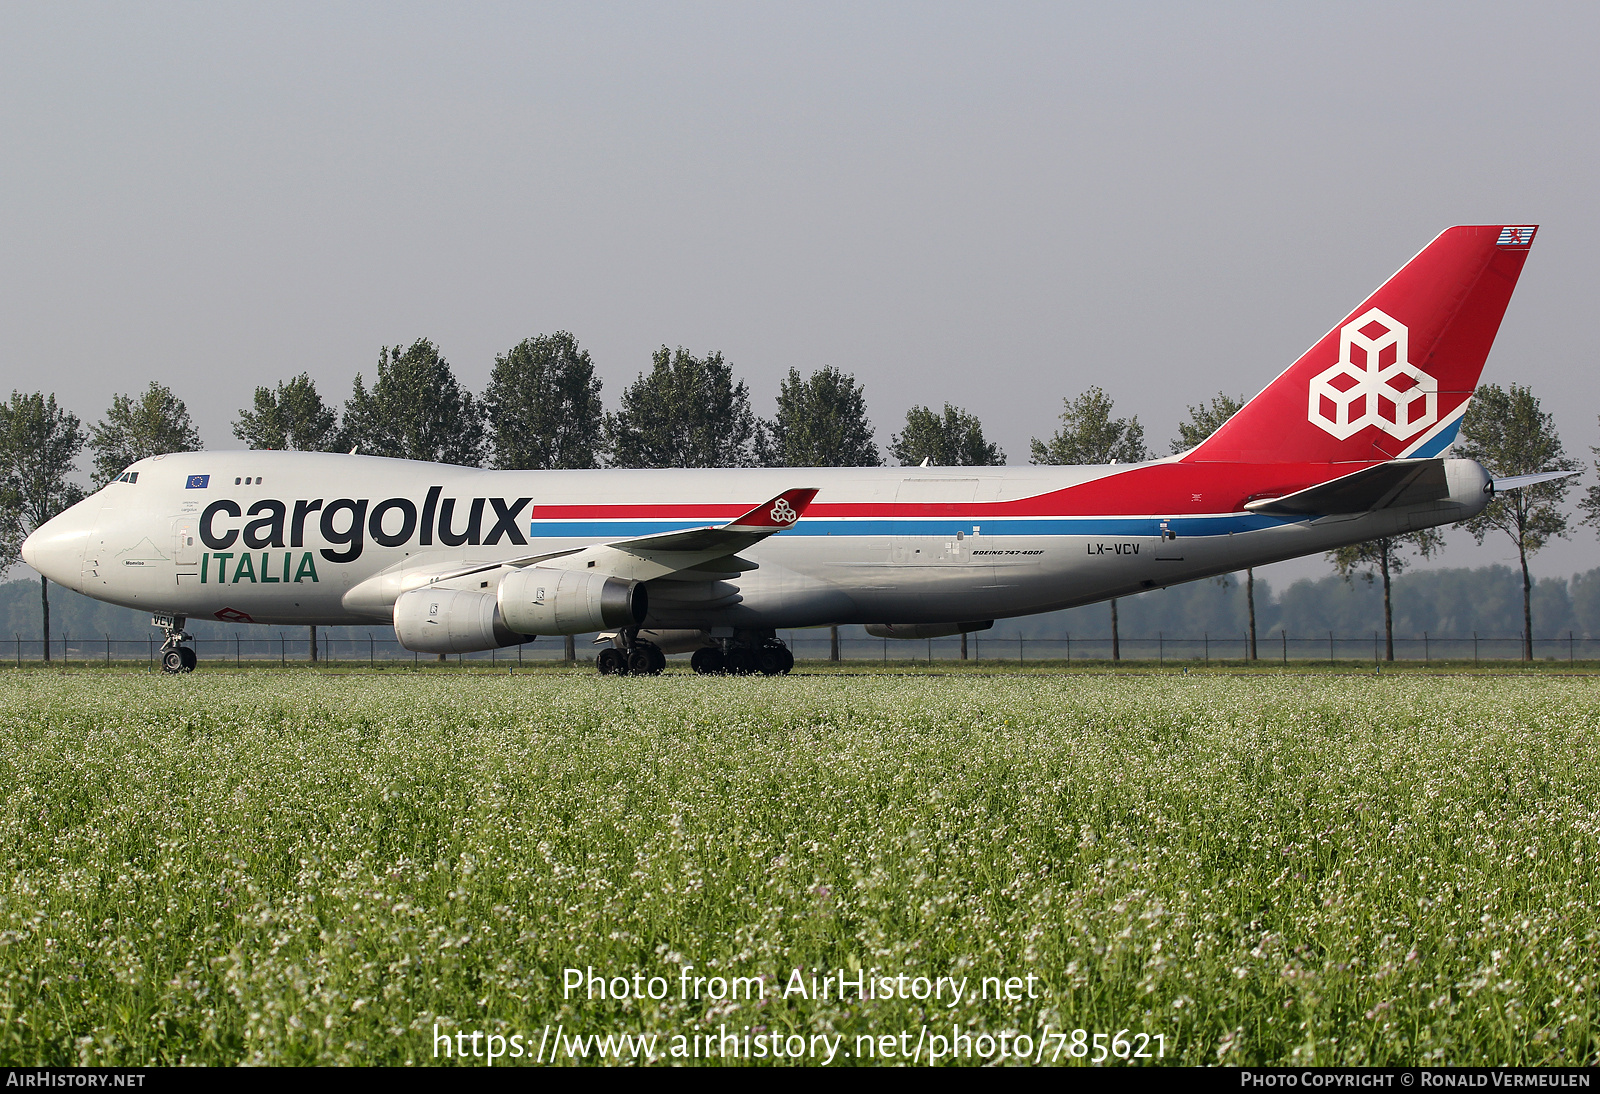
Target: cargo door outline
186, 552
914, 547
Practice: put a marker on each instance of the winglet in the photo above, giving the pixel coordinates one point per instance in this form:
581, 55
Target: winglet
776, 514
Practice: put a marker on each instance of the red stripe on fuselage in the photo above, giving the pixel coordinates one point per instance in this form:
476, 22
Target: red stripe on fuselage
1168, 489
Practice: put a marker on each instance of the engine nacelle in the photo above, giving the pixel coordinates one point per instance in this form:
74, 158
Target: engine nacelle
544, 601
447, 621
925, 630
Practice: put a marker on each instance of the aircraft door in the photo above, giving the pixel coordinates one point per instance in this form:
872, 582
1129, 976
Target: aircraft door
186, 551
95, 561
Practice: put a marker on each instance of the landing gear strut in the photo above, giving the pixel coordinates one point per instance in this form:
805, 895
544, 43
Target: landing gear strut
175, 656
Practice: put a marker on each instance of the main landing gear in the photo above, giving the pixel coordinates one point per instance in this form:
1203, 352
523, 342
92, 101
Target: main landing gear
175, 656
770, 658
632, 656
642, 659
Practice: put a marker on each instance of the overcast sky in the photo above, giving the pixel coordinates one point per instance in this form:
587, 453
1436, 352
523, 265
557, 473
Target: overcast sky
990, 205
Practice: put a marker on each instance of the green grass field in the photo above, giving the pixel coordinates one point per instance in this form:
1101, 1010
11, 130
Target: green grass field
300, 868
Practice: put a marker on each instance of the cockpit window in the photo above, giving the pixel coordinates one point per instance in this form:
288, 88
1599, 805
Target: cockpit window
127, 476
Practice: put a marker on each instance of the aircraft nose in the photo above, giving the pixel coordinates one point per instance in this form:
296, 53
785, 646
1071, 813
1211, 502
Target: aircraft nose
56, 547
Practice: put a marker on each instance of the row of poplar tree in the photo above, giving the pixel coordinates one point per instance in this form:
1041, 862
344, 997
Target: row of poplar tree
542, 410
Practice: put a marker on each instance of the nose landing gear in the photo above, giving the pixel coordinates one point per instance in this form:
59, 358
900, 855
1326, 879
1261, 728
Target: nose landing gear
179, 659
175, 656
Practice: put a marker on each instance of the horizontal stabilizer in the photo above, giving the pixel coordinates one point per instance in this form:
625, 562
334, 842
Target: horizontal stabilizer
1401, 482
1517, 482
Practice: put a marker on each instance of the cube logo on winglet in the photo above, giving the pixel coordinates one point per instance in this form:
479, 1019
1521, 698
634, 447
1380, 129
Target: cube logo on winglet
777, 513
1373, 383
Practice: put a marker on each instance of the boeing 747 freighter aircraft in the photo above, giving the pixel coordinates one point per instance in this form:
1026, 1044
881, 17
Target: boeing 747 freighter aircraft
1344, 446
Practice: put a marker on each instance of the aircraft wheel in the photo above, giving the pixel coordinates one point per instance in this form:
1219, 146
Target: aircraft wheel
708, 662
611, 662
641, 663
189, 657
658, 660
770, 661
741, 661
788, 660
172, 661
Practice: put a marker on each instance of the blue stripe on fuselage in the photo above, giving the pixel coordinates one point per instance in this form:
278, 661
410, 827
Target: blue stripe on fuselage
621, 528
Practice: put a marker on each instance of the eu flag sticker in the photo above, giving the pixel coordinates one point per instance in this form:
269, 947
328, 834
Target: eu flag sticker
197, 482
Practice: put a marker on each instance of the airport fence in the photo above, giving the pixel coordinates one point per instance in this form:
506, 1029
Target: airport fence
369, 648
1207, 648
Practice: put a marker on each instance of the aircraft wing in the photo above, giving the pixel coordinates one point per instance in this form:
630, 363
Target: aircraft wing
1398, 482
744, 531
711, 551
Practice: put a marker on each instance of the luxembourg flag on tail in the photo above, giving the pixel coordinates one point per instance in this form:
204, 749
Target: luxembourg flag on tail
1393, 378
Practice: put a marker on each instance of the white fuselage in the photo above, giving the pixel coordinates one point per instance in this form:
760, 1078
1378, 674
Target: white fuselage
288, 537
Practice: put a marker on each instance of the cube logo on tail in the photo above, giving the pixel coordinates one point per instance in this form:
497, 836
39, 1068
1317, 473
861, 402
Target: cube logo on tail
1374, 383
1393, 375
197, 482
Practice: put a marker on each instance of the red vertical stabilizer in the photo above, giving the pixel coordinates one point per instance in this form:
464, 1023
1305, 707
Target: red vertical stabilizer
1393, 378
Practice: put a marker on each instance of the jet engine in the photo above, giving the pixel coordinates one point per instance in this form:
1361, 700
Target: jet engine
544, 601
447, 621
